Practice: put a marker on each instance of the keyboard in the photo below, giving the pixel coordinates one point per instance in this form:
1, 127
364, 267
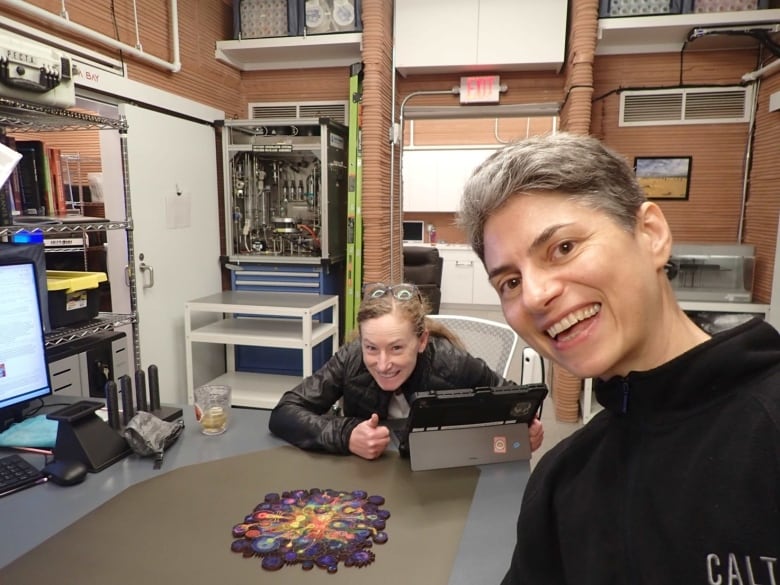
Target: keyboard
16, 473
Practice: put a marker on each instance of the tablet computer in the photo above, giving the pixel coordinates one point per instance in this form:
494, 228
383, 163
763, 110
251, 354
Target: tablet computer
469, 426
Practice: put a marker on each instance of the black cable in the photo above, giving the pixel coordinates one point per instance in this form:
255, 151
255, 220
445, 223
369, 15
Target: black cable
761, 35
116, 35
34, 411
568, 92
682, 55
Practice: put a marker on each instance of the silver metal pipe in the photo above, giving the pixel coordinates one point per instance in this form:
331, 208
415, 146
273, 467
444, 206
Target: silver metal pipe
58, 21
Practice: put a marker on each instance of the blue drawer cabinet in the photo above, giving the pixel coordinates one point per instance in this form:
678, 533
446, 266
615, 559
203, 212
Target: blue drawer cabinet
302, 277
278, 278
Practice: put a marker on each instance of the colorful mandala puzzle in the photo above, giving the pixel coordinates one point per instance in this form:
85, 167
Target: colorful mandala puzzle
313, 527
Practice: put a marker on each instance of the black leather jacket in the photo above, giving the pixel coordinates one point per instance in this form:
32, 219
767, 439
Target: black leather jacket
304, 415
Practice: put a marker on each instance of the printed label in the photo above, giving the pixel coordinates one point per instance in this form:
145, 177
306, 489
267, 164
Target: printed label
76, 301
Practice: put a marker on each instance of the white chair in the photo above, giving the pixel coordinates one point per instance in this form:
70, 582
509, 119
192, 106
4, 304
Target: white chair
492, 341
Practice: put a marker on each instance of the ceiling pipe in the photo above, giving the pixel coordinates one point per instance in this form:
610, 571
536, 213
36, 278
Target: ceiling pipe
759, 73
398, 139
39, 14
545, 109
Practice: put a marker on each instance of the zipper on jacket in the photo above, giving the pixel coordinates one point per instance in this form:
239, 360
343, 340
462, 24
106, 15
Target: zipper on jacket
624, 402
634, 440
631, 569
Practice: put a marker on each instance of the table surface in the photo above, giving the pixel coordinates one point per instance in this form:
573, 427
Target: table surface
42, 511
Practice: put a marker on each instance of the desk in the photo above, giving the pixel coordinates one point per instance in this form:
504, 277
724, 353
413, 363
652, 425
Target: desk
37, 513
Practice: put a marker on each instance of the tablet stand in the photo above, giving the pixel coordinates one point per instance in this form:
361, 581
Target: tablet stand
83, 436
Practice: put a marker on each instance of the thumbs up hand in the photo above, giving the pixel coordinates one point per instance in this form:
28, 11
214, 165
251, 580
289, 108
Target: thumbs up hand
369, 440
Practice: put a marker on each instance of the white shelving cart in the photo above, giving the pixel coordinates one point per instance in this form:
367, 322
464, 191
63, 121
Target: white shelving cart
261, 319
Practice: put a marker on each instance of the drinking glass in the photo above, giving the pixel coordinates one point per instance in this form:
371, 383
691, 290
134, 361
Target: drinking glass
212, 408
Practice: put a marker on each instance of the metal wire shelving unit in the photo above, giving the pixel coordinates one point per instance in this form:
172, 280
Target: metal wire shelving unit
18, 117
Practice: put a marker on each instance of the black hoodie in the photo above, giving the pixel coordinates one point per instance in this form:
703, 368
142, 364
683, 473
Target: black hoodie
676, 481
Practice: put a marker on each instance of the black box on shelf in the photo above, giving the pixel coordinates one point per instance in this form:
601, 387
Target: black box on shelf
328, 16
617, 8
723, 5
255, 19
74, 297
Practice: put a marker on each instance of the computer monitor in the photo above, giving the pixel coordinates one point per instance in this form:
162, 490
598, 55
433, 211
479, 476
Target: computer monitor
24, 373
413, 231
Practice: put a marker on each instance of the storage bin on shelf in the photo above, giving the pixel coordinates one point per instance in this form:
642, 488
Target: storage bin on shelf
74, 296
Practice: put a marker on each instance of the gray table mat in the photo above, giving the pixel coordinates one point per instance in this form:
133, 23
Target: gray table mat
176, 528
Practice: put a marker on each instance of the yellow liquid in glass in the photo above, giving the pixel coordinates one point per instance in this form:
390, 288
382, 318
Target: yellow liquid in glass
214, 420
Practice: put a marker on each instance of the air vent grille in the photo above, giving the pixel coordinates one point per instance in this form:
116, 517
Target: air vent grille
685, 106
335, 110
661, 107
273, 112
728, 105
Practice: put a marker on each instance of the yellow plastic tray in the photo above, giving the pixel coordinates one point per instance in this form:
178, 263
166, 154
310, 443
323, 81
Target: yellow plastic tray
71, 280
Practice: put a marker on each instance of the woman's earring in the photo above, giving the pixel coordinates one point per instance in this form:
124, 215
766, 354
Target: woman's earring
671, 270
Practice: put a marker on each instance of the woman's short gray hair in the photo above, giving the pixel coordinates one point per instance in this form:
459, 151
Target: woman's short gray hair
576, 165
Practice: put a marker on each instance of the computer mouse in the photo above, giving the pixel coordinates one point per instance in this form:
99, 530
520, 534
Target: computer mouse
65, 472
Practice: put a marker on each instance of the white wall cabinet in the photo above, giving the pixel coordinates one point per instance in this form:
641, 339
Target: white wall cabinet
433, 179
483, 291
437, 36
420, 175
455, 167
457, 276
464, 279
422, 27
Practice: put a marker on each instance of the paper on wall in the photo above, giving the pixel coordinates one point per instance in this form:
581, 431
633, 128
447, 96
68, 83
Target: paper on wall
178, 210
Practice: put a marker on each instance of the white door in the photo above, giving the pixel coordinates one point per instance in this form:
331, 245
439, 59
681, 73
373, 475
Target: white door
173, 191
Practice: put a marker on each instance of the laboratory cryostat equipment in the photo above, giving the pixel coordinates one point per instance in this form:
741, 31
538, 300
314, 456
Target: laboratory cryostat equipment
285, 190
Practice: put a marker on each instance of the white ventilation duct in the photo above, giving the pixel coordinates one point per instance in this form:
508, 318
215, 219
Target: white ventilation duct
759, 73
39, 14
701, 105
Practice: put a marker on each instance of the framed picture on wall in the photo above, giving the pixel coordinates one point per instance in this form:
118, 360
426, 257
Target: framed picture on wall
664, 177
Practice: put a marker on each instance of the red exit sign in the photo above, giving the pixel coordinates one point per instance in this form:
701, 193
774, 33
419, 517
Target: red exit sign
481, 89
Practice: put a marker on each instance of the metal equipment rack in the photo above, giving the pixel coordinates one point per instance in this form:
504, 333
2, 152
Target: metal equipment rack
19, 117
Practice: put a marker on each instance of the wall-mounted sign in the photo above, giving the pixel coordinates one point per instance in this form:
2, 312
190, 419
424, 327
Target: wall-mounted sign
480, 89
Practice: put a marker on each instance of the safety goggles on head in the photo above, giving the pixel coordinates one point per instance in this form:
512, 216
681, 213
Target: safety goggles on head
401, 292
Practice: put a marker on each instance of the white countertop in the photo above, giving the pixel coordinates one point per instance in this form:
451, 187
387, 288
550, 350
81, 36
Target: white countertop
446, 246
443, 246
